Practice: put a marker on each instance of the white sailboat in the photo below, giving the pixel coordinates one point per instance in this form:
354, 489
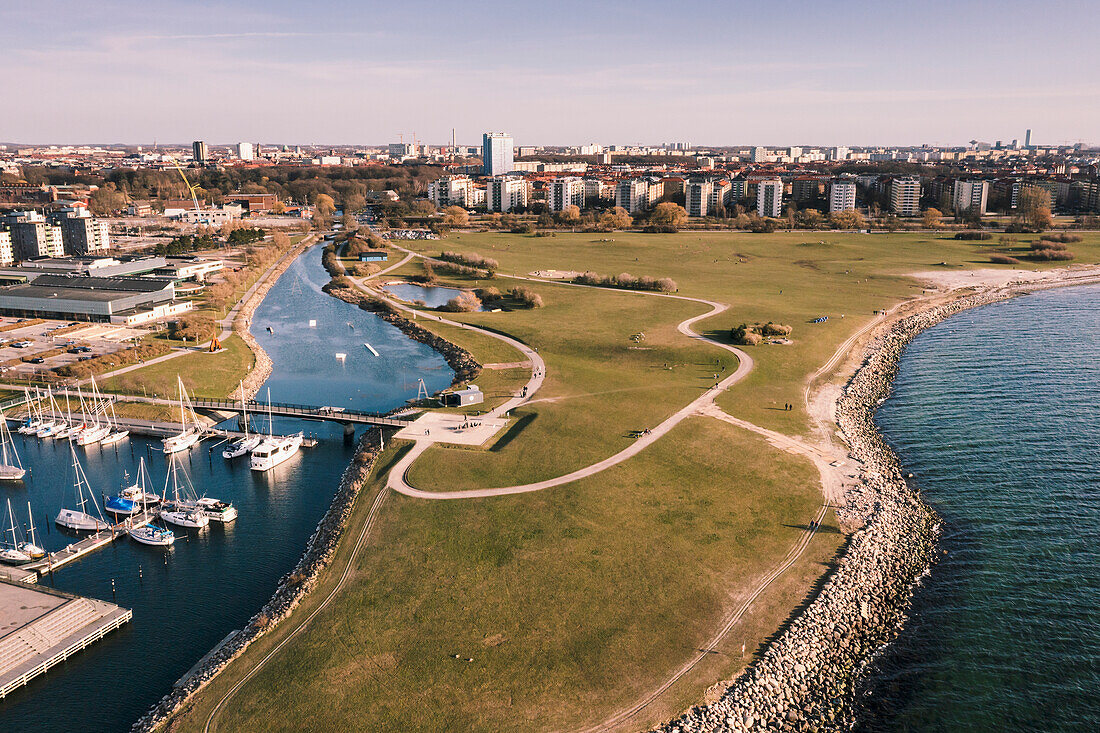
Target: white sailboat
79, 518
182, 512
138, 491
11, 552
33, 420
274, 449
92, 430
31, 546
55, 424
187, 436
11, 469
149, 533
239, 447
114, 433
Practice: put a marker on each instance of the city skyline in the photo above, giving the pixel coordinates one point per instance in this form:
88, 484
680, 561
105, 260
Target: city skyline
714, 74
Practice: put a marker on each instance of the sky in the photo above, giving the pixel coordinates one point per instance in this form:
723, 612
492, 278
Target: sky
553, 72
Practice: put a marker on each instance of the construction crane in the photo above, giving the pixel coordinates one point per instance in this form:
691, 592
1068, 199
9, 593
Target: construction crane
190, 189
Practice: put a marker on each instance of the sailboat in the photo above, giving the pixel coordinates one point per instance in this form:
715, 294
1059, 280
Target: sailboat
187, 436
54, 426
10, 467
11, 554
31, 547
149, 533
138, 491
114, 433
33, 420
79, 518
243, 445
274, 449
94, 431
182, 512
68, 427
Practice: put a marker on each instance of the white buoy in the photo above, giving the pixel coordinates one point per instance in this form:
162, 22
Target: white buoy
312, 323
341, 357
370, 348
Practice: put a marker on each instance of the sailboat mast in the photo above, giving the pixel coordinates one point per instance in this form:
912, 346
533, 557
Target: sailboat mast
30, 518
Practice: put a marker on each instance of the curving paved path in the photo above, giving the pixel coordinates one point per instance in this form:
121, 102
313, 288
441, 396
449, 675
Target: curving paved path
398, 481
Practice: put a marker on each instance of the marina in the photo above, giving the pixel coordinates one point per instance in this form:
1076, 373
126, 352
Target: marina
164, 585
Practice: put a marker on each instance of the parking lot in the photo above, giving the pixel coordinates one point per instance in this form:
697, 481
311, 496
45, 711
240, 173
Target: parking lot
75, 342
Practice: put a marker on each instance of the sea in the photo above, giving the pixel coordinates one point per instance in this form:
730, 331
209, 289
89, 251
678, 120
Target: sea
996, 413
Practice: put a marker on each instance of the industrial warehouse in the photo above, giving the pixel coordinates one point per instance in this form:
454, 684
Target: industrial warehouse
125, 301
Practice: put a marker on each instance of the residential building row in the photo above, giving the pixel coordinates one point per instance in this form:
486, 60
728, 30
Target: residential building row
69, 230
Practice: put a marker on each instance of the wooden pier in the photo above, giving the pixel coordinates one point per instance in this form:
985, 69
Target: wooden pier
54, 560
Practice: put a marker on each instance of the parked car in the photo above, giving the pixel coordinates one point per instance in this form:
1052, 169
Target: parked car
38, 360
22, 344
84, 358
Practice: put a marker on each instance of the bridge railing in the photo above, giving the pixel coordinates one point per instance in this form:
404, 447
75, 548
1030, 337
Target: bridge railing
285, 408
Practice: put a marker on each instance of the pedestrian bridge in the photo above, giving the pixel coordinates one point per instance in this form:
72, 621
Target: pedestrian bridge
305, 412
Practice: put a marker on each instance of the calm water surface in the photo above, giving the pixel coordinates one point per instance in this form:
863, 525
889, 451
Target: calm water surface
212, 582
996, 412
432, 296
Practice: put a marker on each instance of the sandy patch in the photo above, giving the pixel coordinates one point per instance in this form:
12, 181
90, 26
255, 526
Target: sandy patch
955, 279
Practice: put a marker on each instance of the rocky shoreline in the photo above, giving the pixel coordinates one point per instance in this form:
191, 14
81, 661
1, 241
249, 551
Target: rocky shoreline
293, 587
465, 367
242, 323
805, 679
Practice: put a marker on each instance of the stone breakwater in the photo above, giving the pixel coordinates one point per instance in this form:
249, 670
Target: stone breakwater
805, 679
241, 324
465, 367
293, 587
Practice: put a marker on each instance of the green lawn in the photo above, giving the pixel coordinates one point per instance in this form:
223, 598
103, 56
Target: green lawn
571, 602
205, 375
576, 601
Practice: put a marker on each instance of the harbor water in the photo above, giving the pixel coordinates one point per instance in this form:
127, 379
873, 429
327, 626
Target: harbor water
210, 583
995, 412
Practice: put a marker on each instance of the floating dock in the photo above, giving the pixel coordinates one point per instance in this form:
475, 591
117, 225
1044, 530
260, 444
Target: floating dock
41, 627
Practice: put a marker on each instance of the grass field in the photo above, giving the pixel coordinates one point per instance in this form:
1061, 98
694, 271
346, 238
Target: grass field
554, 596
205, 375
576, 601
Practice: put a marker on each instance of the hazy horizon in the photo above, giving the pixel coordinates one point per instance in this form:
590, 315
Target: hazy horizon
718, 74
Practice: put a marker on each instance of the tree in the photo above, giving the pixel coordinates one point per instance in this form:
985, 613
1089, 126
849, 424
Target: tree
1033, 208
324, 204
617, 218
932, 218
570, 215
810, 218
456, 216
668, 215
106, 200
848, 219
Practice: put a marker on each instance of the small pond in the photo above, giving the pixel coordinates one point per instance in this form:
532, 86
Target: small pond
431, 296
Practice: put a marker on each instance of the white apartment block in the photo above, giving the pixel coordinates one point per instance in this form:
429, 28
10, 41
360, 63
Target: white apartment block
595, 189
452, 191
970, 196
636, 194
7, 254
564, 192
905, 196
245, 151
721, 192
842, 196
697, 194
838, 153
505, 193
769, 198
759, 155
